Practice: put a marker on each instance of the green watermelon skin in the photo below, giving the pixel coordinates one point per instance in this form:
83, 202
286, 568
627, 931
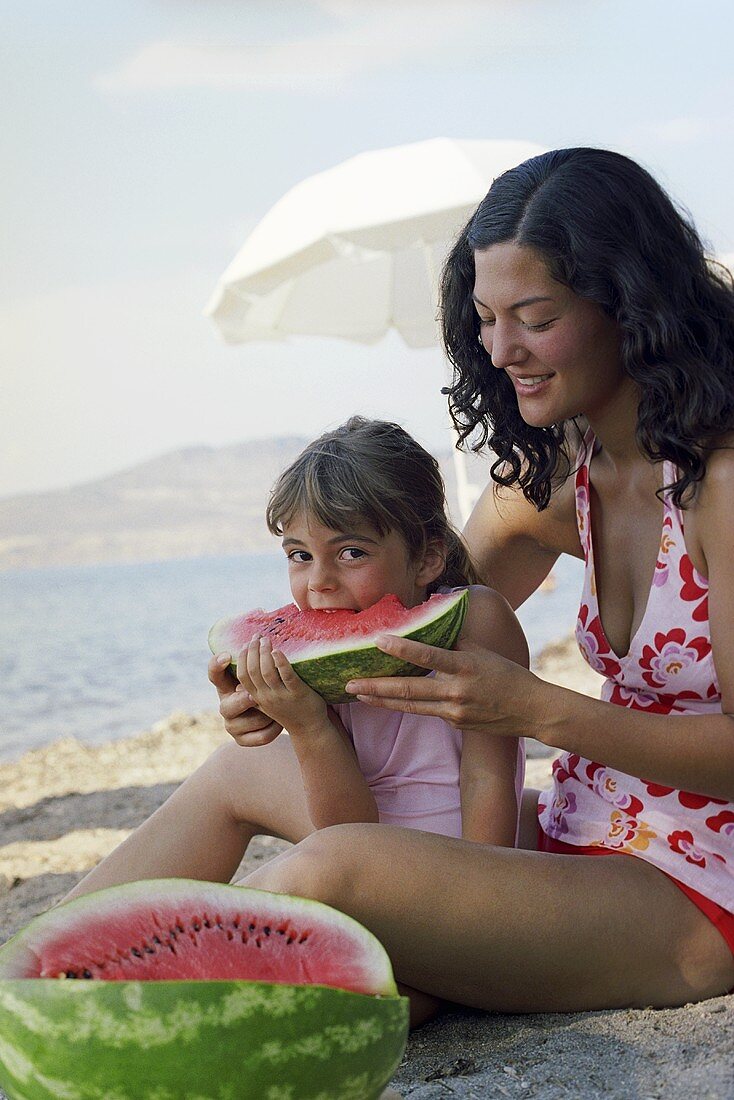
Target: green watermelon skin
328, 675
201, 1040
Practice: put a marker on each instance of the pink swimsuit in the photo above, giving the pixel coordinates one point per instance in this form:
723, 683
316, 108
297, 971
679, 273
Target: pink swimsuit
669, 669
411, 764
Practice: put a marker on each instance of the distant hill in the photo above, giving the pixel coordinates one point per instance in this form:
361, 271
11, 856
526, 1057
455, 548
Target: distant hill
185, 504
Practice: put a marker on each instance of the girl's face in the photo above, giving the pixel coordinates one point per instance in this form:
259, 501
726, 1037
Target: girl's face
353, 569
560, 352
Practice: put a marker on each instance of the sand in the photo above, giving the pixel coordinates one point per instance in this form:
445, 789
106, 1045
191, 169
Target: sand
63, 807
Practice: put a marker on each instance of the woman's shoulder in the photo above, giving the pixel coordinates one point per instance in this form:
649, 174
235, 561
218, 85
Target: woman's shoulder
708, 515
505, 515
716, 489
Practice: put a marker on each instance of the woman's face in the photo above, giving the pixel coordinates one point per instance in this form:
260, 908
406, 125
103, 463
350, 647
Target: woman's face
560, 352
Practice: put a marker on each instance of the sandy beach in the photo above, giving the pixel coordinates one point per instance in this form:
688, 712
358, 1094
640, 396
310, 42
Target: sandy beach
63, 807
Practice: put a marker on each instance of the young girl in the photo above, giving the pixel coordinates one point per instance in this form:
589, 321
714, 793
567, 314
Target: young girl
361, 513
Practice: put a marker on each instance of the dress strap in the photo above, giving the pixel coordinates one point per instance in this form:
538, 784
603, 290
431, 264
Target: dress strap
583, 522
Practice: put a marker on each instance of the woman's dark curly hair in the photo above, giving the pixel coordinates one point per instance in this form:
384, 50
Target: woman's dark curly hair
607, 230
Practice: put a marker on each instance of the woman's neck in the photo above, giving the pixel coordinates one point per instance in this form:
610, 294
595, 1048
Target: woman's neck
615, 429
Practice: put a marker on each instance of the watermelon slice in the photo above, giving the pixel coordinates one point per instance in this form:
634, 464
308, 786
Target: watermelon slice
196, 989
329, 648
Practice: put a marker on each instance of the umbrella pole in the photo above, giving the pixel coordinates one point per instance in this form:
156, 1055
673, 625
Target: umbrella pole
467, 493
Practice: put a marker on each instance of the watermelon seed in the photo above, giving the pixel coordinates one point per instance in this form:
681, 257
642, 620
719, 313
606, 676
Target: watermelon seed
252, 927
134, 951
149, 950
156, 940
230, 935
70, 974
257, 942
196, 926
290, 939
303, 938
266, 930
87, 974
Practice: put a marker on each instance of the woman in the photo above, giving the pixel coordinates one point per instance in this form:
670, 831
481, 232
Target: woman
577, 290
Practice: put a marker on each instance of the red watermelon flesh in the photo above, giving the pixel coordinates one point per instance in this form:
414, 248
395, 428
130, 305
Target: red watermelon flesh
328, 648
182, 929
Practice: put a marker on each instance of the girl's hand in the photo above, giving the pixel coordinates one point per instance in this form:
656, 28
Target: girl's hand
247, 725
277, 690
473, 688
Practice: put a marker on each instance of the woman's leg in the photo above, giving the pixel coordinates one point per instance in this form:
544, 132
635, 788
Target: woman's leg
511, 930
203, 829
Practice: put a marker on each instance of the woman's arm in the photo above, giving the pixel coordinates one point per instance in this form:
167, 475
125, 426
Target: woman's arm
478, 690
514, 546
336, 790
489, 807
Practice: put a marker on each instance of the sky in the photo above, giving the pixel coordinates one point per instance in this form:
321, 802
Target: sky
142, 140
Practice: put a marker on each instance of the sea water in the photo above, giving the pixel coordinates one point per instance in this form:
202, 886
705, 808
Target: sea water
100, 652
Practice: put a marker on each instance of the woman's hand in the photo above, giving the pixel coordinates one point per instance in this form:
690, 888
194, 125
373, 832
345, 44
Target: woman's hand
473, 688
247, 725
278, 691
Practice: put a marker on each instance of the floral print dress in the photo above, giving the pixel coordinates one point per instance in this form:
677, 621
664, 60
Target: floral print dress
669, 669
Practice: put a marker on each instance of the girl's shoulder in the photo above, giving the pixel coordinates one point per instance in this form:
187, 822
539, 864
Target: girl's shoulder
492, 624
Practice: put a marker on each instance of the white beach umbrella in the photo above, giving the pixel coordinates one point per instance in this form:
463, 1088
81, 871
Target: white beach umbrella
356, 250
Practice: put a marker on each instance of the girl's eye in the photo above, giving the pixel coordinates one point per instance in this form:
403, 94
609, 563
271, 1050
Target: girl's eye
486, 321
352, 553
538, 328
299, 555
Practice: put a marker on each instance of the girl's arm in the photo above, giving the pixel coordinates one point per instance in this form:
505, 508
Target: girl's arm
336, 791
489, 808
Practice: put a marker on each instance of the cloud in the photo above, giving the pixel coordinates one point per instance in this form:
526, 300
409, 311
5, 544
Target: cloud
685, 129
363, 38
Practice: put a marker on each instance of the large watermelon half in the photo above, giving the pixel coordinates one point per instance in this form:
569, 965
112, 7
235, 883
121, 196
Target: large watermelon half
329, 648
197, 990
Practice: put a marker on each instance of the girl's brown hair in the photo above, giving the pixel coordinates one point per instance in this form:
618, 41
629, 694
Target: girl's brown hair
374, 471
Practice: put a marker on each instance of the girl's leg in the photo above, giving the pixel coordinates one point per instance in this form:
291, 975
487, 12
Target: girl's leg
203, 829
511, 930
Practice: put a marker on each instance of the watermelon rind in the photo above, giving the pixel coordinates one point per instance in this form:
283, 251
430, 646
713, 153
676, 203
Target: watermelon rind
327, 668
202, 1039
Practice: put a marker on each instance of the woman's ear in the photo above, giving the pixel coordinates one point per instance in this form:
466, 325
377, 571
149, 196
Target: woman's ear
432, 563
